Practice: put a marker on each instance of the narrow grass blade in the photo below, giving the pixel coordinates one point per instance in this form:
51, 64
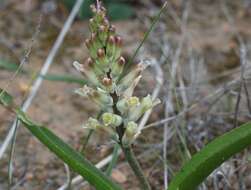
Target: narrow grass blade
5, 99
71, 157
75, 160
156, 19
211, 157
8, 65
64, 78
115, 156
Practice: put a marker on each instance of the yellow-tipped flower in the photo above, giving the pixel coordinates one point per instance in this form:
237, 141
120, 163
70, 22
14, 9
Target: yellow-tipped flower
110, 119
99, 96
130, 133
92, 124
146, 103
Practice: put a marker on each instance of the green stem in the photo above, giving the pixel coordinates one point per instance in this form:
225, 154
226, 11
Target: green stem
115, 156
131, 159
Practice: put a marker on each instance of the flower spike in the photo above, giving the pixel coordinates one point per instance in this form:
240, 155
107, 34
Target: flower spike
108, 87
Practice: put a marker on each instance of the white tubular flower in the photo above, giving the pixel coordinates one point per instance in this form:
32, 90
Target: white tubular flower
146, 103
107, 84
98, 96
130, 133
92, 124
129, 91
122, 106
88, 72
125, 104
110, 119
133, 101
129, 79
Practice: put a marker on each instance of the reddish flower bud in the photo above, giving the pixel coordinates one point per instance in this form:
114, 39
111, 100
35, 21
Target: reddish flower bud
106, 22
103, 9
111, 40
93, 36
121, 61
118, 40
112, 29
88, 43
107, 81
90, 62
102, 28
101, 53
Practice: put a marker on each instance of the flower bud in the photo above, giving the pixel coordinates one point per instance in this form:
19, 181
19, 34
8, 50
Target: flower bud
102, 60
88, 73
88, 43
100, 16
117, 67
101, 53
97, 70
106, 23
118, 41
96, 42
107, 83
93, 44
93, 26
110, 119
112, 30
118, 44
103, 33
111, 46
99, 96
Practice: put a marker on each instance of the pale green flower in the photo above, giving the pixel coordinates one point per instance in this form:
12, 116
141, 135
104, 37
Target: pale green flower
130, 133
92, 124
110, 119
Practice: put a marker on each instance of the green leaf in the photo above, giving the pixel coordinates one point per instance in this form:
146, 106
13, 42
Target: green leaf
7, 65
119, 11
115, 156
5, 98
211, 157
85, 11
74, 160
116, 9
64, 78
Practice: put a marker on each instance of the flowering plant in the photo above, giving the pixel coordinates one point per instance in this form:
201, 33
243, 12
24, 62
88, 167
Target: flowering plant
109, 85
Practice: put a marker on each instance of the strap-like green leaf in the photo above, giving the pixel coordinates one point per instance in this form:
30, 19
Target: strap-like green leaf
210, 157
75, 160
5, 99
